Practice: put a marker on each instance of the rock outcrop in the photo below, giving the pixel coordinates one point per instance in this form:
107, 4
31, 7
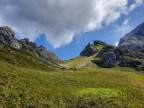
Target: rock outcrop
128, 62
98, 42
140, 69
38, 51
134, 39
107, 57
44, 53
7, 36
92, 49
110, 56
89, 50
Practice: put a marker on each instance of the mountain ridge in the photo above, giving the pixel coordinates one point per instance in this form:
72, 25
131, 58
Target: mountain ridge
7, 36
93, 79
134, 39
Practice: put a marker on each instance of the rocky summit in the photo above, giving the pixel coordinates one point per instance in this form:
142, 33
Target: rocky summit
89, 50
7, 35
92, 49
134, 39
7, 38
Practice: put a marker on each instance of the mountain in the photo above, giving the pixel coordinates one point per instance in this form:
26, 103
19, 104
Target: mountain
7, 36
134, 39
100, 54
102, 76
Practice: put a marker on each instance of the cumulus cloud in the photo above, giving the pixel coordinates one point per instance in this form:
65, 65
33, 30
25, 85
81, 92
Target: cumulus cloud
136, 4
60, 20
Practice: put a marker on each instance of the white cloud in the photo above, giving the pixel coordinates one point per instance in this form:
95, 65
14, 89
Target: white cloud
123, 28
116, 44
126, 22
60, 20
136, 4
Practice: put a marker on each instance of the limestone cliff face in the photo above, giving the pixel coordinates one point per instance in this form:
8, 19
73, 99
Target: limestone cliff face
39, 51
134, 39
7, 36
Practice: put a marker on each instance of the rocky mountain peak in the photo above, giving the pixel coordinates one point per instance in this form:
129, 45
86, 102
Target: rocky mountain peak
139, 30
89, 50
134, 39
7, 32
7, 36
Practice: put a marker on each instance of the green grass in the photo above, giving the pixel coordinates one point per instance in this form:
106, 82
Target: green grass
99, 47
23, 87
23, 58
42, 85
98, 93
81, 61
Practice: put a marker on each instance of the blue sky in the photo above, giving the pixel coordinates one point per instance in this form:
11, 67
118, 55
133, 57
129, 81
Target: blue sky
66, 26
109, 34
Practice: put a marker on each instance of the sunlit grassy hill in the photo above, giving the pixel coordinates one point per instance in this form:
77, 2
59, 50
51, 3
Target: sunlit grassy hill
27, 81
81, 61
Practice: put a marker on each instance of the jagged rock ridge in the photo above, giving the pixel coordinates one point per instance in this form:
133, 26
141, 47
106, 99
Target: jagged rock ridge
7, 36
109, 56
91, 49
134, 39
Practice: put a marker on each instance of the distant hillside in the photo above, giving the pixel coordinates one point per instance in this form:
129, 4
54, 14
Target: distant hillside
7, 37
134, 39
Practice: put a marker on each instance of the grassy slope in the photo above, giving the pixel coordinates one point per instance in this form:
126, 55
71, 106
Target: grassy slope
81, 61
78, 62
42, 85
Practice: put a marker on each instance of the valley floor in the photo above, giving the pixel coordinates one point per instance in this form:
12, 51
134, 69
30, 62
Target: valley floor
26, 87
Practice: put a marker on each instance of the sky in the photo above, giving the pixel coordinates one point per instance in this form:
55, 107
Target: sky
65, 27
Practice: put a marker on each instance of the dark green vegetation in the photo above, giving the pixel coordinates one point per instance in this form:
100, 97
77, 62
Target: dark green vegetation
28, 81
